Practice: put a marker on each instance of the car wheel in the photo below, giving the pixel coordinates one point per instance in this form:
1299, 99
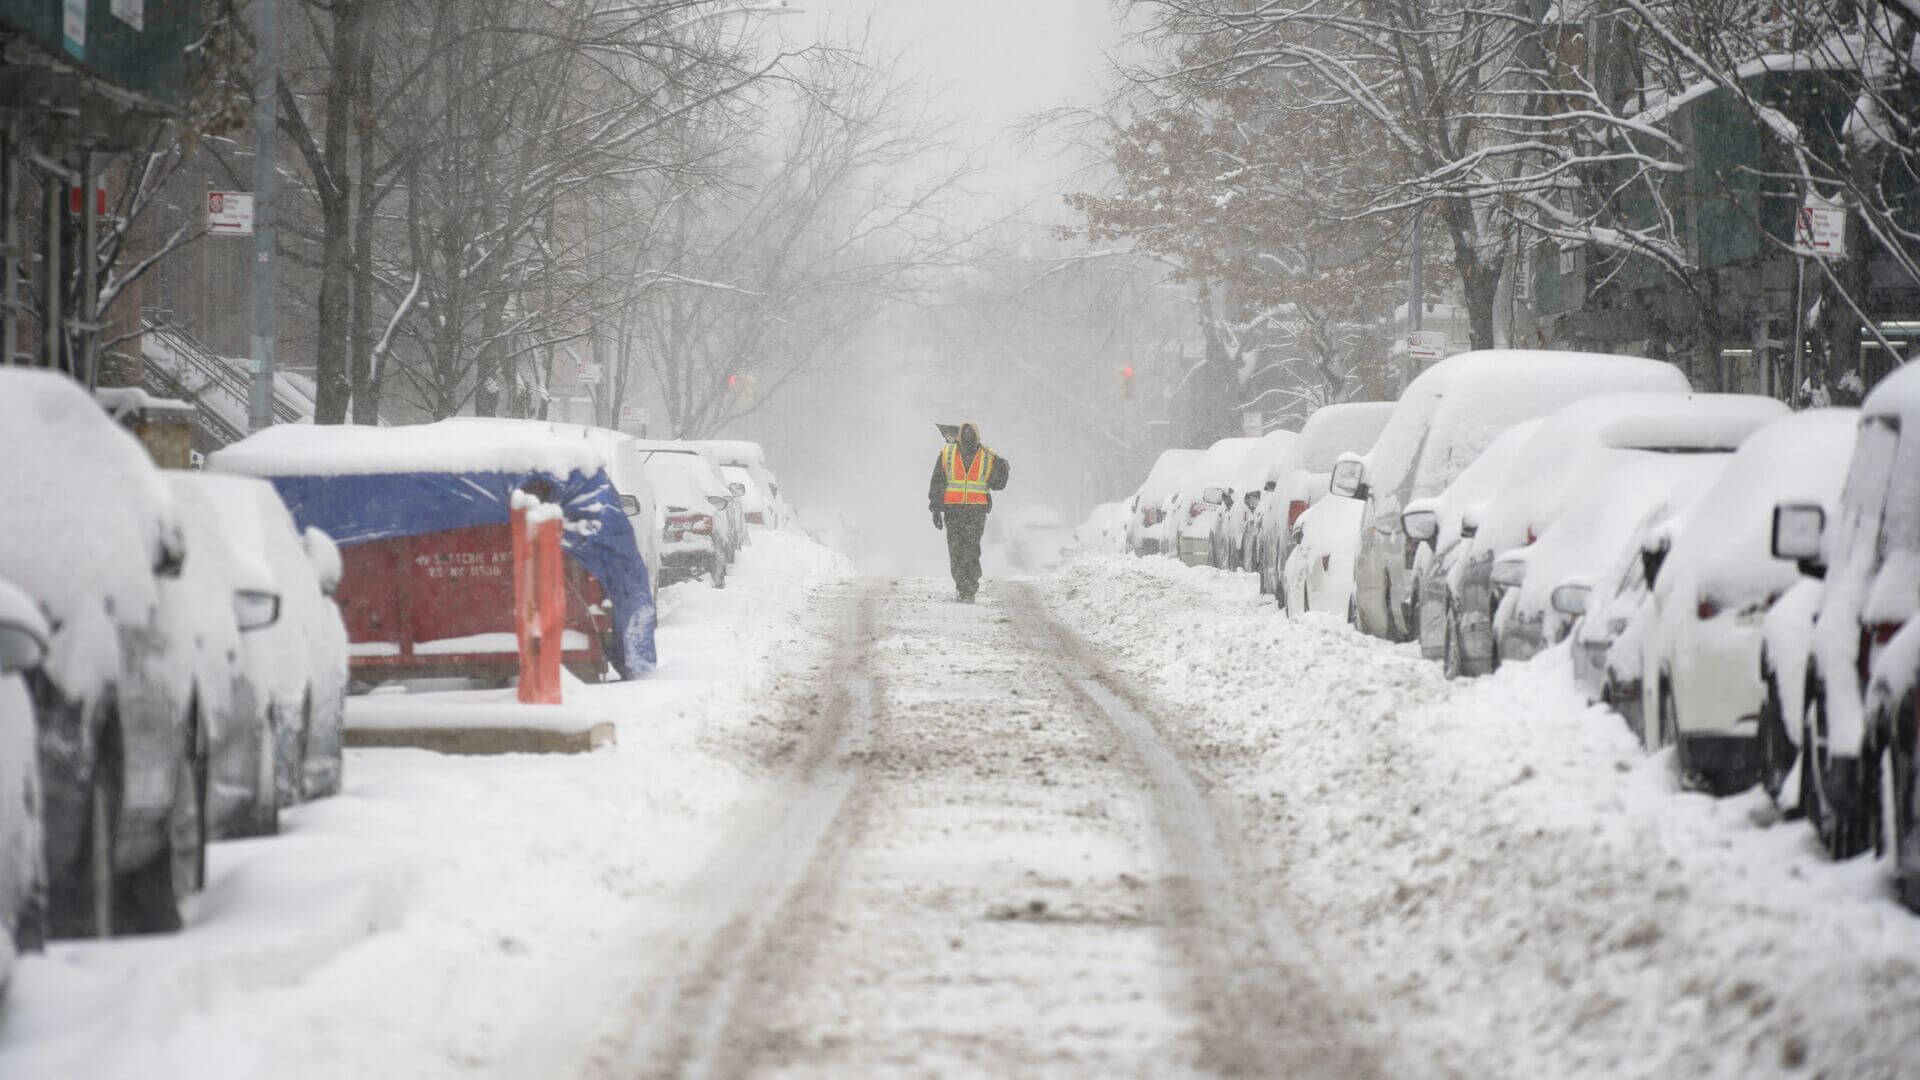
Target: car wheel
1452, 662
1840, 792
1669, 722
266, 780
717, 572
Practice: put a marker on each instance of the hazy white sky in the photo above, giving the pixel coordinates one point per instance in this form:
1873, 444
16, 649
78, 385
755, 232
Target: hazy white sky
994, 62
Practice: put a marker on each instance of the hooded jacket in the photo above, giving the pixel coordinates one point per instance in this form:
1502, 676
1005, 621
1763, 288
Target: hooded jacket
937, 487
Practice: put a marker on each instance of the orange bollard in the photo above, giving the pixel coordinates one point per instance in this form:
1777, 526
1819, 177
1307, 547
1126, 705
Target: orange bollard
539, 598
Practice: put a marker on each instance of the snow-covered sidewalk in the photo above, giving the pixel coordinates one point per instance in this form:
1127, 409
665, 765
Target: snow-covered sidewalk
418, 923
1503, 882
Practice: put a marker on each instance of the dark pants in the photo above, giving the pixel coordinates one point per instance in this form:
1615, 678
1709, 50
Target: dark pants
964, 528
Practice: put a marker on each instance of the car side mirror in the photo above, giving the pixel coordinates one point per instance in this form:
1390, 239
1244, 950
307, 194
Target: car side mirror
324, 554
720, 502
254, 609
630, 505
1213, 496
21, 647
1349, 478
1420, 524
1798, 529
1252, 499
737, 488
1571, 598
1470, 521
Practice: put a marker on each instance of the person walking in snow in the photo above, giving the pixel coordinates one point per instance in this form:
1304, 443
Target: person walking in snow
963, 476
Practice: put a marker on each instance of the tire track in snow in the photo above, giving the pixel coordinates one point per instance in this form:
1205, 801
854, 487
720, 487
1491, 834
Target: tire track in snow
1267, 1012
764, 868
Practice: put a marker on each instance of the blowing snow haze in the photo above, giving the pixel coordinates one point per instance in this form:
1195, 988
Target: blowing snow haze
605, 539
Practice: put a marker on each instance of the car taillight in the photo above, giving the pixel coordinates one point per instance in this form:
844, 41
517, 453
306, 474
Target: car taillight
679, 525
1294, 510
1531, 535
1872, 636
1707, 608
1194, 510
756, 519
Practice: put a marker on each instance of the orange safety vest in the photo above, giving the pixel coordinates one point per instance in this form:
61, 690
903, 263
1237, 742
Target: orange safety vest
967, 486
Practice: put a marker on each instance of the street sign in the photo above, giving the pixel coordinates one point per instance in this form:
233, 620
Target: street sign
633, 414
1251, 423
230, 213
590, 373
1821, 228
1427, 345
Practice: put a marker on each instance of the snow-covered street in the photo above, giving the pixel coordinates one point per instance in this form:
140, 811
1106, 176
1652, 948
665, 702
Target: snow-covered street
1125, 820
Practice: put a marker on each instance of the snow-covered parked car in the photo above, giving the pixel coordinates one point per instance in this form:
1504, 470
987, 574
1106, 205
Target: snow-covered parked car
694, 520
1601, 464
1446, 416
1300, 479
1717, 580
1857, 723
297, 664
91, 535
1104, 531
1318, 575
1444, 527
1150, 529
1611, 612
23, 872
730, 523
1035, 539
224, 594
761, 503
1201, 501
1234, 546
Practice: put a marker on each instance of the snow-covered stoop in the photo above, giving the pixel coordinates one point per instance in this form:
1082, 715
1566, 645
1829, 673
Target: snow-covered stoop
453, 916
1496, 877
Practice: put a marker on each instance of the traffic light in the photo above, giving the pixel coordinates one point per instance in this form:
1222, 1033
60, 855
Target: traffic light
733, 382
1126, 380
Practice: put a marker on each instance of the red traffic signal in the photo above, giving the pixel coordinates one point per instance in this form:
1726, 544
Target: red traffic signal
733, 381
1126, 379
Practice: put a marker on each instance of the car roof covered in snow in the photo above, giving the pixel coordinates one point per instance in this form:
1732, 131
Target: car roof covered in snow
1693, 422
1219, 465
1896, 395
1165, 475
1258, 463
1332, 430
1724, 540
1492, 390
733, 451
1480, 481
465, 445
82, 492
679, 484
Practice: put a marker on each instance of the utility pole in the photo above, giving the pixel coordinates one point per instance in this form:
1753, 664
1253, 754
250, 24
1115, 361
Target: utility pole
266, 119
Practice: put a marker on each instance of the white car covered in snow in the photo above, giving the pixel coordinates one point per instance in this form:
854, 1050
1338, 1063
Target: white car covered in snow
1104, 531
1300, 479
1444, 419
92, 534
1150, 528
23, 872
761, 503
1717, 579
694, 522
1858, 722
1201, 501
1601, 464
296, 665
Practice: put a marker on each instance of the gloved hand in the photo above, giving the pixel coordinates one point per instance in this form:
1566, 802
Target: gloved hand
939, 520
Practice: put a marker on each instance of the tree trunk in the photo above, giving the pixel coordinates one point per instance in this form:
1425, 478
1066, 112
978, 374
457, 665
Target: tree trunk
1479, 277
366, 392
333, 379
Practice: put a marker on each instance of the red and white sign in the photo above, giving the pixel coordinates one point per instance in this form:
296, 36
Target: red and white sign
633, 414
230, 213
1821, 228
1426, 345
590, 373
